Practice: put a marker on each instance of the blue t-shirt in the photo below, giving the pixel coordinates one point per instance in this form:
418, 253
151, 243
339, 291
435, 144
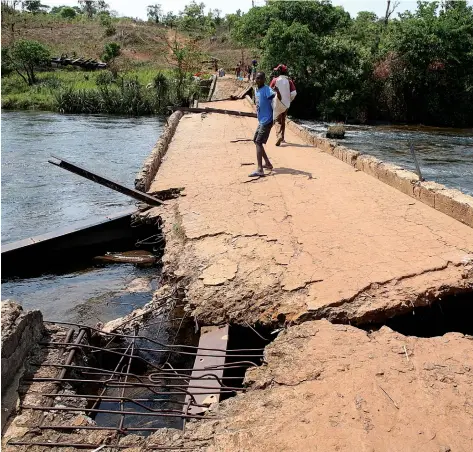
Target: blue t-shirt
264, 107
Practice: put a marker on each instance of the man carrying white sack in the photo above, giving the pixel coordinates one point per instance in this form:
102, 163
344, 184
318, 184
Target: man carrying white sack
288, 92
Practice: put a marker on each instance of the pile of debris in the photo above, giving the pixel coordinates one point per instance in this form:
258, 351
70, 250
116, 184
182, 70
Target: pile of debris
85, 63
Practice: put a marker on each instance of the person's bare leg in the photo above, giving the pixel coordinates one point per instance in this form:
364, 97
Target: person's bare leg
283, 125
279, 129
267, 163
259, 157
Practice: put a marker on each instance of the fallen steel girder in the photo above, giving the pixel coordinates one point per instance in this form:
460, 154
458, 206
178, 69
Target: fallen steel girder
138, 195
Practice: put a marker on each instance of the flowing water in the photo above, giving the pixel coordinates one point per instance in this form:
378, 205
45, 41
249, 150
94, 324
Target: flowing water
445, 155
38, 197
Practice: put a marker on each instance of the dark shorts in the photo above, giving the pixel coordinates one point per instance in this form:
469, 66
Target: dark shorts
262, 133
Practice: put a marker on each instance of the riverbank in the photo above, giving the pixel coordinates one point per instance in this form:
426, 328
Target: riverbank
138, 92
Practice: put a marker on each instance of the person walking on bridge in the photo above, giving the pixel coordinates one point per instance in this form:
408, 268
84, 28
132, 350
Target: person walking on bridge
281, 105
264, 108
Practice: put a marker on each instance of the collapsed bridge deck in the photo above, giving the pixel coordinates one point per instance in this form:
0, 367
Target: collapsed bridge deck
315, 238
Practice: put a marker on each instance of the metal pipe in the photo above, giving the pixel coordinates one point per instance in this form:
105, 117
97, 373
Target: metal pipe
98, 410
95, 427
413, 153
105, 388
116, 398
122, 405
127, 384
146, 338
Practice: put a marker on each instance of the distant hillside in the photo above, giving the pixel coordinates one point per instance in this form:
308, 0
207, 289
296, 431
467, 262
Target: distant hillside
141, 42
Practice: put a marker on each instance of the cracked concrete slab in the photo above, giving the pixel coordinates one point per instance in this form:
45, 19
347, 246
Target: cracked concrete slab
312, 239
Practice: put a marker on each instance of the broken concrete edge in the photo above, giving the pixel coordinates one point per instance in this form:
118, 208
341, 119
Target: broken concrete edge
212, 88
21, 330
152, 163
449, 201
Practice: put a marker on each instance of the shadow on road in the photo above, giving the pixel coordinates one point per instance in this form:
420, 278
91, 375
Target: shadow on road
295, 145
292, 171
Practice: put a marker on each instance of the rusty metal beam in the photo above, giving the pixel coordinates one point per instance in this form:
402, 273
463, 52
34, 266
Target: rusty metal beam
135, 194
214, 110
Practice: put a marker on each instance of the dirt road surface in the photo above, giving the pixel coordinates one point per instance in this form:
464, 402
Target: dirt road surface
314, 239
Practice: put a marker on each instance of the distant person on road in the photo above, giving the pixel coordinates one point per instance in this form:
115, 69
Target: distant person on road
264, 97
238, 70
281, 105
254, 63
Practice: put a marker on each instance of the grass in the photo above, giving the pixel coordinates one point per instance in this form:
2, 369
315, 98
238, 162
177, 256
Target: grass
78, 92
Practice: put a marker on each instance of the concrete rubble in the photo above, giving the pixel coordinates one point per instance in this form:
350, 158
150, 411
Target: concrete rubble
21, 331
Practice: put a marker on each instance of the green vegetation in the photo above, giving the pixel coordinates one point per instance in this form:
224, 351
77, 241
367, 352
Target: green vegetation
414, 68
24, 57
136, 93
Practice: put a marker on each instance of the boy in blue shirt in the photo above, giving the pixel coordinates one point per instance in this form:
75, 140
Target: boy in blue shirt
264, 97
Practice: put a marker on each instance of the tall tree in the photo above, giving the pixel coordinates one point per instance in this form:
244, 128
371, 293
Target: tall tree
88, 7
155, 13
34, 6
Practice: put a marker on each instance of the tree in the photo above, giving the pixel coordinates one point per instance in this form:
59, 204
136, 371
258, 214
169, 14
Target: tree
58, 9
67, 12
193, 16
155, 13
185, 57
170, 19
88, 7
25, 56
111, 51
34, 6
216, 14
101, 6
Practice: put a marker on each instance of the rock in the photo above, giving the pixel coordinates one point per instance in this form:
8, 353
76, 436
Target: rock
337, 131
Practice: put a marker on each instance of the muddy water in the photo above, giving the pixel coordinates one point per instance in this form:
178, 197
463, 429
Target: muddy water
38, 197
445, 155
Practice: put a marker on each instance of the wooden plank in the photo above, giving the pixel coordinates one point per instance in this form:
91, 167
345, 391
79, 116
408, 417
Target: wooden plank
215, 338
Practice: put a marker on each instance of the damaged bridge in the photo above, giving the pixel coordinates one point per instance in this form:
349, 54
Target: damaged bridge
358, 276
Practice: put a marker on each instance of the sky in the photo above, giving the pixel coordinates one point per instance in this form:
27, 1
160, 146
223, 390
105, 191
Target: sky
137, 8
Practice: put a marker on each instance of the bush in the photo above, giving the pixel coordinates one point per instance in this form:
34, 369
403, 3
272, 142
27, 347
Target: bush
111, 51
68, 13
110, 30
104, 78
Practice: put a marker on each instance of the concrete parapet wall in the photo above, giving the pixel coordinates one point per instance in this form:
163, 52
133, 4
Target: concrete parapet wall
151, 165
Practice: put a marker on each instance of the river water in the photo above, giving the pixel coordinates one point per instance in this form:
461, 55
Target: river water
38, 197
445, 155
